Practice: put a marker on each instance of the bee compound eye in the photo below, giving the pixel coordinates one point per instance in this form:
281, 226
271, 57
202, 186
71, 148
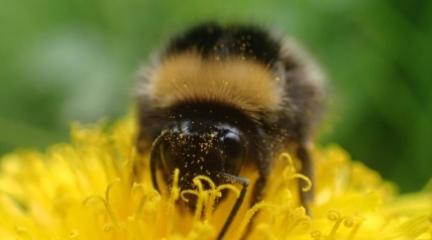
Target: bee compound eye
233, 148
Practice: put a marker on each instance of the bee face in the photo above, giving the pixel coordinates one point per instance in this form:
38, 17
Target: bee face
223, 97
200, 147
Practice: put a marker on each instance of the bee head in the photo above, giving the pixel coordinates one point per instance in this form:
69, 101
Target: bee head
196, 148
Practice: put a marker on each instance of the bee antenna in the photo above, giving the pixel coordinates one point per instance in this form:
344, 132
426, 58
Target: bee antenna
154, 161
245, 184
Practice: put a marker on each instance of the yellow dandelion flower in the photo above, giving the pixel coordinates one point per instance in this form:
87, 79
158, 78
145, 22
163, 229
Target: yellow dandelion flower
85, 190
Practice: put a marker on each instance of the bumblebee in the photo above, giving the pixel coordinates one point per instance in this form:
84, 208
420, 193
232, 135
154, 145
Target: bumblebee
222, 97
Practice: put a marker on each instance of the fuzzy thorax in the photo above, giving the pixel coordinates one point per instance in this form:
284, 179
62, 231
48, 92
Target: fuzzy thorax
242, 83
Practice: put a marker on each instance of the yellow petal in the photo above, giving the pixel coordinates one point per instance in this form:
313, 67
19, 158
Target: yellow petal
86, 190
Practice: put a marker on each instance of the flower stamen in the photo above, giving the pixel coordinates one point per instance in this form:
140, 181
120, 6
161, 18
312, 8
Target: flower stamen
355, 225
107, 201
250, 214
147, 196
335, 217
290, 172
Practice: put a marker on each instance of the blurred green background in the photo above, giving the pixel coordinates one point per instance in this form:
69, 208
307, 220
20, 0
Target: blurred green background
63, 61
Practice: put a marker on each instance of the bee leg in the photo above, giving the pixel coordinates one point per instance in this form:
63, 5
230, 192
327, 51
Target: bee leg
306, 197
245, 184
258, 189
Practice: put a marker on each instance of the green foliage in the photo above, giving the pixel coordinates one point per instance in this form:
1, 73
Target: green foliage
64, 61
